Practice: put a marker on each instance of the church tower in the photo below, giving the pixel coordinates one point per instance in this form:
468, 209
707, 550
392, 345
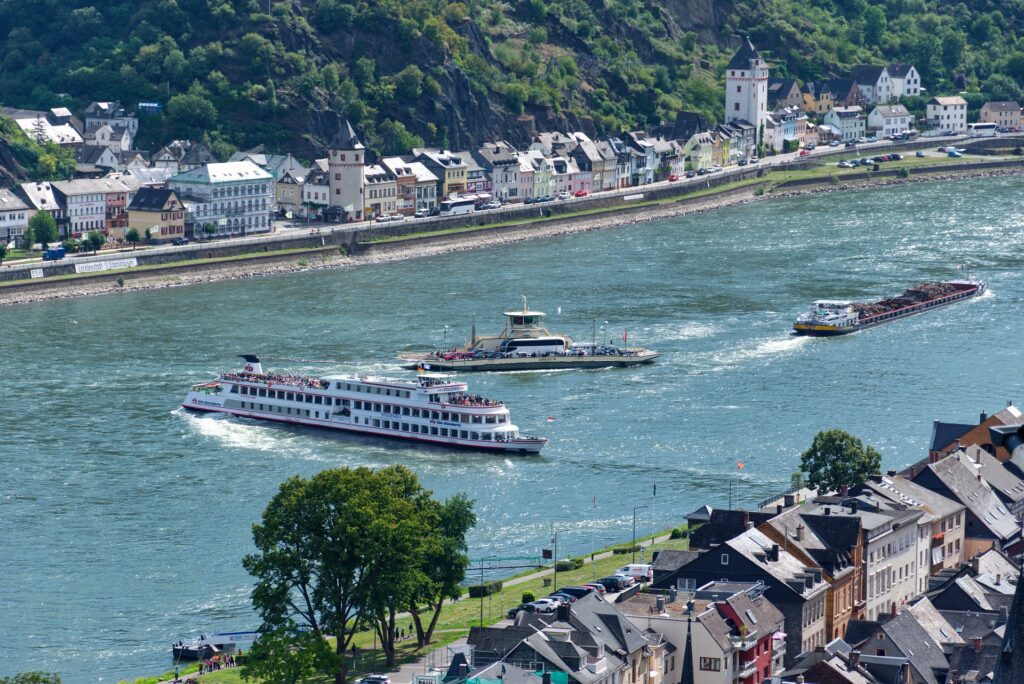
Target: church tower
746, 88
345, 159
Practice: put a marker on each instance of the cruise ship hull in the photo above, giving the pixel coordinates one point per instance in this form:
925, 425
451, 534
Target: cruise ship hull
202, 403
531, 363
814, 330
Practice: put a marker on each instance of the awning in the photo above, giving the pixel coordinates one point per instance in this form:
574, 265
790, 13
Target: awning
779, 636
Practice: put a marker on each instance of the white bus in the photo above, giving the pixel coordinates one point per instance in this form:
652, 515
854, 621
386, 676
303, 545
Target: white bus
981, 130
463, 205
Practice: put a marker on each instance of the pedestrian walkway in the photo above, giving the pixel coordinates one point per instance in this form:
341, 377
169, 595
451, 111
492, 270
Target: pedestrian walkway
586, 561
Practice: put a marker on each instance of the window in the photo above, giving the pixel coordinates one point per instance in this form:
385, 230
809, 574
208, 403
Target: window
736, 107
711, 664
725, 559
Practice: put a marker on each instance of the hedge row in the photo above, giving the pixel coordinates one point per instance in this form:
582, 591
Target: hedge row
485, 589
621, 550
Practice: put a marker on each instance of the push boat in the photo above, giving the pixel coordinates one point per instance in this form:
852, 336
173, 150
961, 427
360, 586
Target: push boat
830, 317
525, 344
432, 408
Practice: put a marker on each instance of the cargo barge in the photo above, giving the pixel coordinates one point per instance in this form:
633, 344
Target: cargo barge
830, 317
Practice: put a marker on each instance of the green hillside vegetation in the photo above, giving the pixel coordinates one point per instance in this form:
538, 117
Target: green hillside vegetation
281, 72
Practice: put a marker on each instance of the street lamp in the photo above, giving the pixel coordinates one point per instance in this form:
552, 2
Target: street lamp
632, 548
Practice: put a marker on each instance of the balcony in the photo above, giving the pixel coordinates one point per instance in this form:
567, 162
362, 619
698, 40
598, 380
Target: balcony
746, 670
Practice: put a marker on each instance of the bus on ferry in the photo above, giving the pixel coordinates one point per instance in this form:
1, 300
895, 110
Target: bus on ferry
981, 130
463, 204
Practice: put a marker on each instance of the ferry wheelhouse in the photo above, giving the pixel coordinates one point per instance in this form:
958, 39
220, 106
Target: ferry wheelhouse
432, 408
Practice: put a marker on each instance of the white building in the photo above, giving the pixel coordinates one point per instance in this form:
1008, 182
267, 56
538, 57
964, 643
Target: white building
98, 113
236, 198
890, 120
746, 88
849, 121
316, 189
906, 82
874, 83
947, 114
345, 158
14, 215
381, 191
83, 206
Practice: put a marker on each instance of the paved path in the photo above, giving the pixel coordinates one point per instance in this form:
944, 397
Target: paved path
586, 561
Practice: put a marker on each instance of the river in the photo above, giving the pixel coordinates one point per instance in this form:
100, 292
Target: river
124, 519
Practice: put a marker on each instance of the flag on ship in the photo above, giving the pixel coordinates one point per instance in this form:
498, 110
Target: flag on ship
739, 465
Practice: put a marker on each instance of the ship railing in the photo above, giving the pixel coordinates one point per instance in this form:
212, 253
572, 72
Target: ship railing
269, 379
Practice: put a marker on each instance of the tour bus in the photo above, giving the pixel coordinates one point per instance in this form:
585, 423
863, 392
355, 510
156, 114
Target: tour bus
981, 130
463, 204
534, 346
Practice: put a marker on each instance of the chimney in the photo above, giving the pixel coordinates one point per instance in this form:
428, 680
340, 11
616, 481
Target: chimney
999, 578
789, 500
976, 565
774, 555
844, 490
854, 659
778, 509
746, 520
892, 610
800, 532
976, 643
982, 418
1003, 615
749, 525
563, 612
827, 511
853, 505
907, 678
891, 472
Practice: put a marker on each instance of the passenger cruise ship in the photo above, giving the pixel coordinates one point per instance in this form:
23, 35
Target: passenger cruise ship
432, 408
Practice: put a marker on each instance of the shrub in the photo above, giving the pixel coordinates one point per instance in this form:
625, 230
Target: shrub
904, 172
567, 564
757, 193
485, 589
833, 179
342, 250
622, 550
120, 281
529, 597
679, 533
303, 263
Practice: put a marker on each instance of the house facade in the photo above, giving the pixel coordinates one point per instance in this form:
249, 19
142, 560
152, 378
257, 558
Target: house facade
874, 83
288, 193
849, 121
450, 169
157, 210
381, 191
947, 114
316, 189
887, 120
14, 216
82, 207
501, 164
784, 92
112, 113
229, 198
1002, 114
906, 82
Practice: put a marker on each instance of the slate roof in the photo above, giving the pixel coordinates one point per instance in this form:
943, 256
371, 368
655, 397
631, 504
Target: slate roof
781, 87
995, 572
754, 546
891, 110
847, 112
944, 434
11, 202
671, 560
702, 513
345, 138
1009, 487
933, 622
868, 74
974, 664
907, 492
916, 645
496, 153
150, 199
977, 495
1010, 665
39, 195
506, 672
899, 70
859, 631
723, 525
950, 100
741, 60
223, 173
1001, 106
153, 176
831, 549
971, 624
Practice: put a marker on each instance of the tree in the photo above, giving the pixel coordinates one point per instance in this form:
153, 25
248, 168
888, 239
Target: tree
444, 563
1002, 88
209, 228
42, 227
95, 240
132, 236
953, 44
32, 678
874, 25
28, 238
3, 253
338, 551
837, 458
409, 83
285, 655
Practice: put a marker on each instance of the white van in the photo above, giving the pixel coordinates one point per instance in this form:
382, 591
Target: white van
639, 572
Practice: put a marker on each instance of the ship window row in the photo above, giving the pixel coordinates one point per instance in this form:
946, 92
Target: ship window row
291, 396
386, 391
284, 410
436, 431
424, 413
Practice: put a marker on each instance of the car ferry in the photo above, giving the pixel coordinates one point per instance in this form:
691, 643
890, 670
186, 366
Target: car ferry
829, 317
525, 344
432, 408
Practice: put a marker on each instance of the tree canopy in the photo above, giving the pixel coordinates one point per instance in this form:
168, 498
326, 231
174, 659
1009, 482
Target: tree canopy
837, 458
43, 227
344, 548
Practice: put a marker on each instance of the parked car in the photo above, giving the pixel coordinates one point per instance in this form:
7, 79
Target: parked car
850, 143
547, 198
524, 608
811, 146
845, 165
804, 153
627, 581
833, 143
691, 174
564, 598
755, 159
673, 177
919, 153
896, 156
384, 218
179, 241
422, 213
494, 204
613, 583
578, 592
638, 571
954, 153
375, 679
564, 195
702, 172
530, 200
742, 162
582, 193
872, 138
545, 605
598, 587
941, 149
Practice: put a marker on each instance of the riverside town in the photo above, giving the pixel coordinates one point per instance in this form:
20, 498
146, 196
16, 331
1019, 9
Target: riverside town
752, 416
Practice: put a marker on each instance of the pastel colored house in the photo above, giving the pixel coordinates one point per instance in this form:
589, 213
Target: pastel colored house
1002, 114
887, 120
157, 210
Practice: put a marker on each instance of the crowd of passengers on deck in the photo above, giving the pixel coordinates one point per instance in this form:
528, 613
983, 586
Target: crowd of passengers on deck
279, 378
470, 400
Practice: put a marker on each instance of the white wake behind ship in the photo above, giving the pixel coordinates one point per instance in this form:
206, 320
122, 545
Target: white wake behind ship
432, 408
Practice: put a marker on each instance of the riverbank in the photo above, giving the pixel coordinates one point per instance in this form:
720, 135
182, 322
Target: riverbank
778, 185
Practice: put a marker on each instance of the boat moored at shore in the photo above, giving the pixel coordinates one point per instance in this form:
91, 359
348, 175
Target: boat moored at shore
830, 317
525, 344
432, 408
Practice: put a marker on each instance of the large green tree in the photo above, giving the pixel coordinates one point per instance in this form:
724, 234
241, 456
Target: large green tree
445, 561
32, 678
837, 458
43, 227
339, 550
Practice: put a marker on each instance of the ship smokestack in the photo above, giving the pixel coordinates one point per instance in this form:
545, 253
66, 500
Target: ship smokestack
252, 363
472, 333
